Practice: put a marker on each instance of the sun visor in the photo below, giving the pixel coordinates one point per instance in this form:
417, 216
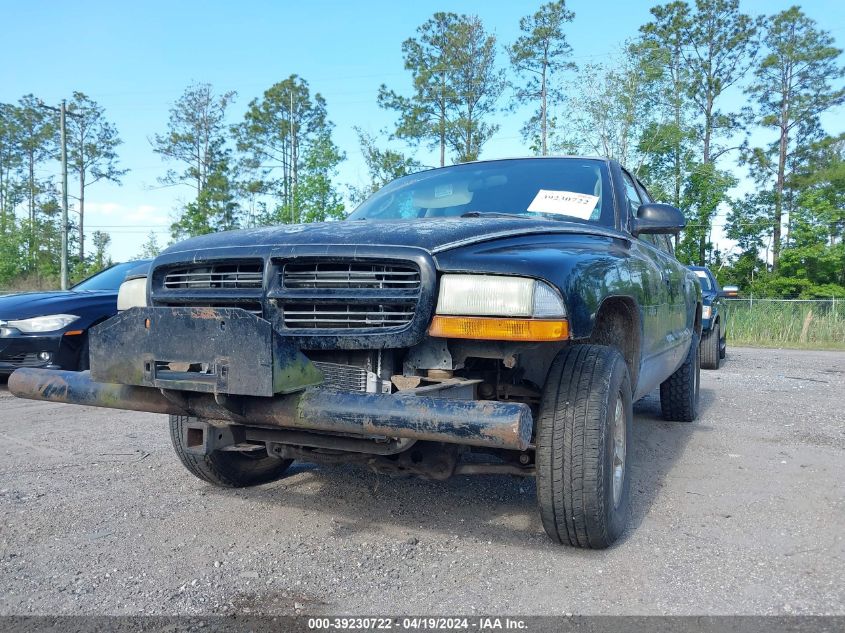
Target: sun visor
442, 196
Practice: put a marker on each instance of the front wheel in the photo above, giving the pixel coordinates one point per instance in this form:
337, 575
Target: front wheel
227, 469
582, 439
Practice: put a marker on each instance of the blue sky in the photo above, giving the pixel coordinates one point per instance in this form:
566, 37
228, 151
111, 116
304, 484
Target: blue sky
136, 58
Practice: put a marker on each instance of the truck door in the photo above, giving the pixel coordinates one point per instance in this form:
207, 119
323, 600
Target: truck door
649, 270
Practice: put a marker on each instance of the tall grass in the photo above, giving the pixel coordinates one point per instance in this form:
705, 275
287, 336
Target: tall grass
781, 323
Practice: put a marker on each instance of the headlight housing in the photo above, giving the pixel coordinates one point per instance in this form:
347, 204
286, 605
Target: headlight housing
132, 294
706, 311
492, 295
496, 307
48, 323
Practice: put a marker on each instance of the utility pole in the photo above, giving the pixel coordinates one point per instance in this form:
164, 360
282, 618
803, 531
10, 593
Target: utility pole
63, 113
64, 194
293, 157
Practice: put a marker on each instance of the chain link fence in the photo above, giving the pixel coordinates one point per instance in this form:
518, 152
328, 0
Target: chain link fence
817, 323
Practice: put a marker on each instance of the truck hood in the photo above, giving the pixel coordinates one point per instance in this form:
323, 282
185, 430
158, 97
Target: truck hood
434, 235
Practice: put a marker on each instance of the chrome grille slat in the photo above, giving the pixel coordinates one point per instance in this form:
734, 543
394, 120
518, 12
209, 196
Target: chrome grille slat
216, 275
323, 294
350, 316
349, 275
253, 307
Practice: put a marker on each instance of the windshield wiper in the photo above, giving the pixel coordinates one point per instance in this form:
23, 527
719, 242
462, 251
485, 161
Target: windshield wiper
496, 214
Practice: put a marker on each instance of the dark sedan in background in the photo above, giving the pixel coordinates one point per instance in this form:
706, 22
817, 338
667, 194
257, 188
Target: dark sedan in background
50, 329
714, 327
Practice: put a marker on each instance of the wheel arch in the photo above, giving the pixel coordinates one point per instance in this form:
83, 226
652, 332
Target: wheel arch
618, 324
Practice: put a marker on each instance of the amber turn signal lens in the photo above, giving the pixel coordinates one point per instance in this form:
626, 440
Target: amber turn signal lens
74, 332
495, 329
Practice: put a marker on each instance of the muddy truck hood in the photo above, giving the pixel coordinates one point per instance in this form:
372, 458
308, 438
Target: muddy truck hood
433, 235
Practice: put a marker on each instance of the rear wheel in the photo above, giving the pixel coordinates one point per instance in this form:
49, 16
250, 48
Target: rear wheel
710, 348
679, 392
582, 439
228, 469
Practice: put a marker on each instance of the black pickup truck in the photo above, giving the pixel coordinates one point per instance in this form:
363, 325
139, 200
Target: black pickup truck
491, 317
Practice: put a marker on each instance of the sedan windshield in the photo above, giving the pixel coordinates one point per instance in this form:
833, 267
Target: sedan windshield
108, 279
570, 189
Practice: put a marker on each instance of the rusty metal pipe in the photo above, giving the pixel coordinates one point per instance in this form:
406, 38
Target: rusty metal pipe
471, 422
78, 388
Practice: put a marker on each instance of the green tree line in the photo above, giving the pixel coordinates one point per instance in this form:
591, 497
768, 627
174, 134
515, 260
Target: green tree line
661, 106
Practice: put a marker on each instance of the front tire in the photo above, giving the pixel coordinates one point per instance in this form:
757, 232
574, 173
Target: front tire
227, 469
679, 392
582, 440
710, 348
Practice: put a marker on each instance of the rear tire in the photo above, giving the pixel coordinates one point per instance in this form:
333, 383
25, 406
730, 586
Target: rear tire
582, 440
710, 348
679, 392
224, 468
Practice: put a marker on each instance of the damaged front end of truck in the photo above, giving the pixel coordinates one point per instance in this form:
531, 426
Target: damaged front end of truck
324, 358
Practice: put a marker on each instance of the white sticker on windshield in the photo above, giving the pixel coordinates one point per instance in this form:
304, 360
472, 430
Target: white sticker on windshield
578, 205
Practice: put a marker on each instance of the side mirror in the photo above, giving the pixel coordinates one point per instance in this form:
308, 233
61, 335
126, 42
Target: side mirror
658, 218
730, 292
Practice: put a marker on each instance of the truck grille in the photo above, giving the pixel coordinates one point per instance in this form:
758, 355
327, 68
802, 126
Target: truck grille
349, 275
330, 294
229, 275
326, 298
346, 316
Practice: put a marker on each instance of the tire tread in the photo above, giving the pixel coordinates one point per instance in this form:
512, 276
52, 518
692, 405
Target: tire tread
678, 394
711, 348
571, 436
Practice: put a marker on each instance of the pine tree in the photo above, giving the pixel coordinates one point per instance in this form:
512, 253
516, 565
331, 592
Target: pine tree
538, 57
792, 87
92, 151
456, 86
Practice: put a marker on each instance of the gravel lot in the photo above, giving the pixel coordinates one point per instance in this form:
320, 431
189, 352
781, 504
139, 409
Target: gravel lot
741, 512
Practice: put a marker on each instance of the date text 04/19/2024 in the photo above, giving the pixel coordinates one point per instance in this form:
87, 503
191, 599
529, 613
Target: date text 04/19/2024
417, 623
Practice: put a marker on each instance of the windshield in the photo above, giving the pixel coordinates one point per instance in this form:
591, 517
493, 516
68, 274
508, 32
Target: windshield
569, 189
704, 278
108, 279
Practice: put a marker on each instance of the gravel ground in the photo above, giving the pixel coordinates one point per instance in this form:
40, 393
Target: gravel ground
739, 513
